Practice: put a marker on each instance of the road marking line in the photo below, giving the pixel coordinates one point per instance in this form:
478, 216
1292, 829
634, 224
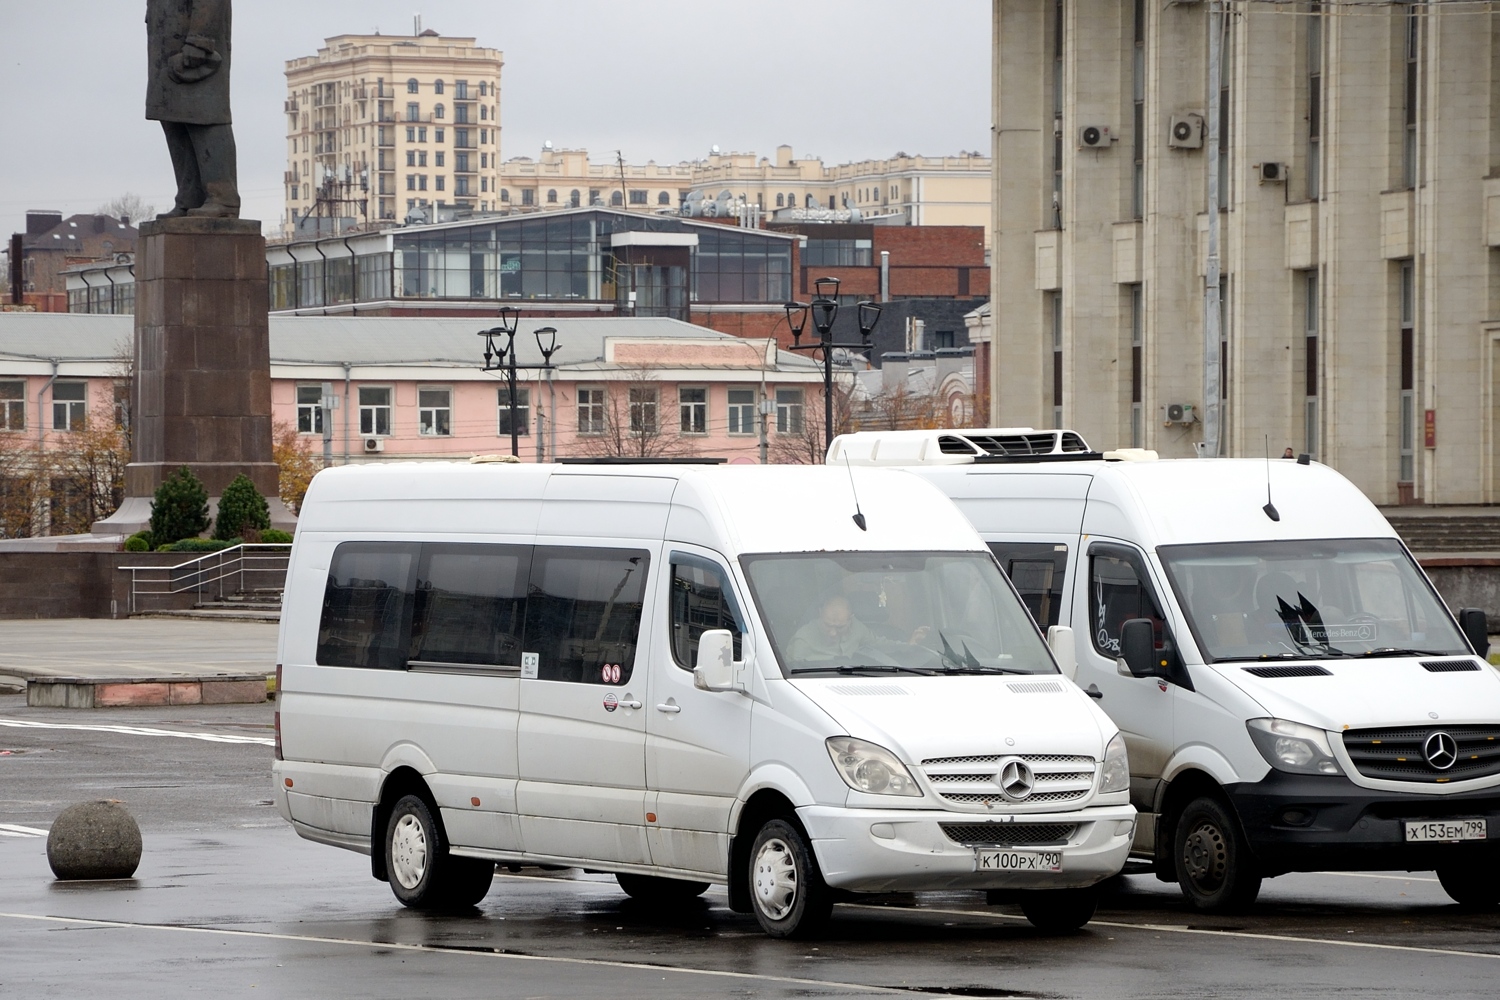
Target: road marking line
1398, 878
13, 830
140, 731
1249, 935
440, 950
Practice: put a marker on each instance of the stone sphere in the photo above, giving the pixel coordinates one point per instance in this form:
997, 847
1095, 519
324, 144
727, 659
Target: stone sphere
94, 840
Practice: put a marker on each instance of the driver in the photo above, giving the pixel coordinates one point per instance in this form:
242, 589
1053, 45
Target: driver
836, 635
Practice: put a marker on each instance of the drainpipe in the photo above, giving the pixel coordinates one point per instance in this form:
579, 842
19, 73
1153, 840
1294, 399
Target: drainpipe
40, 413
552, 402
885, 276
353, 279
347, 367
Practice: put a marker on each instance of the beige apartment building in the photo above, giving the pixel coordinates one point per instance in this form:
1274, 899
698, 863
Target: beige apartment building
1359, 232
567, 178
380, 127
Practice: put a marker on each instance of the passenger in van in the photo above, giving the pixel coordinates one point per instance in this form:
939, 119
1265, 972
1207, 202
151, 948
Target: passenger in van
836, 635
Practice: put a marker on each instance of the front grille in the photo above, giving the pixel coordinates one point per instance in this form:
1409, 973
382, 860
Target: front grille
969, 783
1397, 754
1009, 834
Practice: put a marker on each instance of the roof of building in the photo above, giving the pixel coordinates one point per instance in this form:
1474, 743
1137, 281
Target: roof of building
375, 341
67, 233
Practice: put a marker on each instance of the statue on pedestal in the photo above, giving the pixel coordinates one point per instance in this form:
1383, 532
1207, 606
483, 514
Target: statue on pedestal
188, 92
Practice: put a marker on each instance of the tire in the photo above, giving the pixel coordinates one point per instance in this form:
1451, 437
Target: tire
787, 892
1060, 911
1473, 886
657, 891
1213, 864
423, 875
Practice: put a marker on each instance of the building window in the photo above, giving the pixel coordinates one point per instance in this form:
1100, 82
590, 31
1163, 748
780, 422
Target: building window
693, 404
1137, 369
411, 182
1310, 363
421, 182
484, 112
1409, 99
838, 253
1057, 114
591, 411
664, 198
780, 200
460, 90
742, 411
411, 157
309, 409
1138, 97
435, 412
411, 136
422, 134
461, 187
438, 158
616, 199
638, 198
68, 405
438, 182
413, 87
421, 157
788, 411
460, 162
1055, 334
437, 86
438, 135
642, 404
375, 411
12, 406
575, 199
528, 197
1314, 100
1408, 397
505, 194
437, 112
552, 196
414, 112
523, 410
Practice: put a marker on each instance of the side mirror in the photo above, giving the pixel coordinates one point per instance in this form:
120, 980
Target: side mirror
1138, 655
1060, 641
714, 670
1476, 629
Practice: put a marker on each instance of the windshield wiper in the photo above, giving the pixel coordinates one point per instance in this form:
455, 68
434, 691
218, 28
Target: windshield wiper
1394, 651
980, 669
857, 669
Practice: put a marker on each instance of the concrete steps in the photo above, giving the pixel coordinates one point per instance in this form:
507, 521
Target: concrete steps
1448, 532
254, 606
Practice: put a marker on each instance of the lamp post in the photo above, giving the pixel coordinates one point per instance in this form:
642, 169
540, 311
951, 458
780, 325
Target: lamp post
823, 310
503, 359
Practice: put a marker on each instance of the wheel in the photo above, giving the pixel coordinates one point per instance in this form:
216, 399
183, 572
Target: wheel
1060, 911
660, 891
1475, 885
423, 874
789, 897
1214, 868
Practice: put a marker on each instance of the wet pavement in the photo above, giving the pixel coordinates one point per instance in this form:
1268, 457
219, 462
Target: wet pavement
135, 647
228, 902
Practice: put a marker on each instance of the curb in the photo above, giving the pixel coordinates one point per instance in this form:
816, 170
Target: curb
133, 692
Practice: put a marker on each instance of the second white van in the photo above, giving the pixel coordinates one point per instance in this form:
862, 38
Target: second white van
801, 683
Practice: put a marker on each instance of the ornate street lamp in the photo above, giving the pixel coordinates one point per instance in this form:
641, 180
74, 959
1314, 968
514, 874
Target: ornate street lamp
502, 358
823, 310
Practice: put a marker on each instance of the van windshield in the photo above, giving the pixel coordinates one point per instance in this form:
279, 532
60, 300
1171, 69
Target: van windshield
894, 612
1308, 599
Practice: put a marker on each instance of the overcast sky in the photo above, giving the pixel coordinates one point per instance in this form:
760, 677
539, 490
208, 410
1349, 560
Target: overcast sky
657, 79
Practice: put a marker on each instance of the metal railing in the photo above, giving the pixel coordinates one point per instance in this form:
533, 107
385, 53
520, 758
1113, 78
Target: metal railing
236, 570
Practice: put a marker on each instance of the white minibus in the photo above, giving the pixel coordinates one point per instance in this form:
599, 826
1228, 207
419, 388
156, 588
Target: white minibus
802, 683
1294, 694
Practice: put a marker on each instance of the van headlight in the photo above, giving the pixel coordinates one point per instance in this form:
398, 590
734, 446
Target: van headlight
1115, 775
868, 768
1293, 747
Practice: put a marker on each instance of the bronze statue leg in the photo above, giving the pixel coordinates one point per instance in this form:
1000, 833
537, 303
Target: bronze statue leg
190, 193
213, 147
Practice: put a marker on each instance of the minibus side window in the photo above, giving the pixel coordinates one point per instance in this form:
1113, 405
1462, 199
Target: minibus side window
701, 600
470, 605
1038, 570
583, 612
367, 606
1118, 593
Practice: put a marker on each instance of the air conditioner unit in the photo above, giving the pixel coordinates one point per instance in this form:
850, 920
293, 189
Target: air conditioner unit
1093, 137
1272, 173
373, 445
1186, 131
1178, 413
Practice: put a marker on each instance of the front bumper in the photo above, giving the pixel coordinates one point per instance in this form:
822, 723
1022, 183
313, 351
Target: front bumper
1315, 823
874, 850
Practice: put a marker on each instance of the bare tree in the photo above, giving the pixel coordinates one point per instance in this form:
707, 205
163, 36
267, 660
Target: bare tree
128, 206
798, 438
18, 483
634, 423
86, 476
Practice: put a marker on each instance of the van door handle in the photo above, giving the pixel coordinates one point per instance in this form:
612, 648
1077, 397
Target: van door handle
669, 708
630, 704
1093, 691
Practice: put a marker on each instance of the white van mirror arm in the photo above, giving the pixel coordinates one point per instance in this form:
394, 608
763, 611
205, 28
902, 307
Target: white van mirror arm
1060, 641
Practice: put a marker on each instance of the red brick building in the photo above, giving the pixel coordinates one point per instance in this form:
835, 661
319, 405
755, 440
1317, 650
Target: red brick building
51, 244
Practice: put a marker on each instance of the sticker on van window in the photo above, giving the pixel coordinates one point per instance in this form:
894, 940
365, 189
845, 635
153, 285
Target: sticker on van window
610, 673
531, 664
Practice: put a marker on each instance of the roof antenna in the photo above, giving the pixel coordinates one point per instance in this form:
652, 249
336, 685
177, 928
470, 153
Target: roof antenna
859, 517
1270, 508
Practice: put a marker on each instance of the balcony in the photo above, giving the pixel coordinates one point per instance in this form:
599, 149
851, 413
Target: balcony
292, 107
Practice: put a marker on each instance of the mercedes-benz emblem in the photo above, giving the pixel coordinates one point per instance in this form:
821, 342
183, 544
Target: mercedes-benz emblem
1015, 779
1441, 751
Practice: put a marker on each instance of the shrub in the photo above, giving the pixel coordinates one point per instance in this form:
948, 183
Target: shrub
202, 545
138, 543
179, 509
241, 507
144, 536
274, 536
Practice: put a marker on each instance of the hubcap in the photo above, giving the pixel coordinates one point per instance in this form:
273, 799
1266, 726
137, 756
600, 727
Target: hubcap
775, 879
409, 851
1206, 857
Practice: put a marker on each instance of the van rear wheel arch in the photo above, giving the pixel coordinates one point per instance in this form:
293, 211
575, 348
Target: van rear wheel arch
401, 781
